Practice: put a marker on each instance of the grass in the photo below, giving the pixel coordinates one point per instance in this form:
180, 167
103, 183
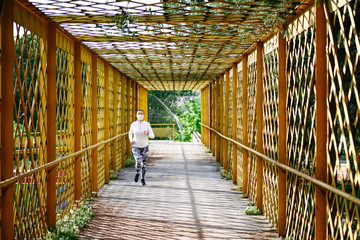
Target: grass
243, 195
68, 227
225, 174
253, 211
208, 151
113, 175
129, 161
237, 188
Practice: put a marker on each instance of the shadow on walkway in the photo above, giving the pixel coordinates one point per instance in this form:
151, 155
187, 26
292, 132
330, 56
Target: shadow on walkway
185, 198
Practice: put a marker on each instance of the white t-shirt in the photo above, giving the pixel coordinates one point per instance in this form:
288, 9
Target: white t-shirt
137, 129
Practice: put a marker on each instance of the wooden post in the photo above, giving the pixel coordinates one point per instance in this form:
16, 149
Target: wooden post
221, 118
123, 127
217, 119
245, 122
106, 123
234, 123
7, 98
114, 120
321, 121
259, 123
51, 125
226, 125
213, 112
282, 135
77, 118
202, 114
129, 117
94, 123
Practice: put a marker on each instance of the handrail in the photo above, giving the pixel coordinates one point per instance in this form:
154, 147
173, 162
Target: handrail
55, 162
292, 170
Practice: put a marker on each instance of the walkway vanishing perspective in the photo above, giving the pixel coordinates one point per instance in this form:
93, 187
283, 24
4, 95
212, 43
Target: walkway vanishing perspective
185, 198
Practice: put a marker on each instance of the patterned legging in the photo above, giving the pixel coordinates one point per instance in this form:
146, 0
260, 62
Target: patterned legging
141, 155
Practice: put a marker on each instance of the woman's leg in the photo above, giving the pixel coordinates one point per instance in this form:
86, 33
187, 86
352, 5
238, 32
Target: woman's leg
138, 161
144, 154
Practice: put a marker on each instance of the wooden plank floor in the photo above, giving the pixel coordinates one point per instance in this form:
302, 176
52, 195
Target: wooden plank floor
185, 198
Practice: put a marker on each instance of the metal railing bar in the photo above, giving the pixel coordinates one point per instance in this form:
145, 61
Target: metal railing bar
294, 171
55, 162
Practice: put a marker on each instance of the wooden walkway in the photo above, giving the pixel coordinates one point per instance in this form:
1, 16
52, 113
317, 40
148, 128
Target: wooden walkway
185, 198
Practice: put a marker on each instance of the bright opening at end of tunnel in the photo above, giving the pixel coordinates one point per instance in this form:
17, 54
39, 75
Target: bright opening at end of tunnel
179, 108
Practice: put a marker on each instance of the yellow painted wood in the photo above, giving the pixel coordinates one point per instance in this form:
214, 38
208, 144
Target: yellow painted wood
94, 123
221, 118
245, 121
321, 120
128, 117
259, 123
51, 125
106, 123
77, 120
114, 120
282, 135
234, 123
123, 120
226, 122
7, 146
217, 118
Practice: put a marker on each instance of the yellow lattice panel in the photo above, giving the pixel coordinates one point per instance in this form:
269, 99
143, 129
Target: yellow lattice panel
118, 107
111, 112
270, 129
239, 110
230, 115
29, 134
101, 122
252, 125
65, 123
301, 131
86, 111
343, 113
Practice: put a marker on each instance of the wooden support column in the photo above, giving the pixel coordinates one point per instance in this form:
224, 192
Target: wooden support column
221, 119
123, 120
213, 112
106, 123
217, 119
282, 135
129, 117
234, 123
114, 120
7, 98
77, 118
94, 123
259, 124
202, 114
245, 121
226, 123
51, 125
209, 114
321, 121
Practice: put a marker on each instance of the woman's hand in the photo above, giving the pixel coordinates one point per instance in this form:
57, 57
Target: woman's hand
145, 132
132, 142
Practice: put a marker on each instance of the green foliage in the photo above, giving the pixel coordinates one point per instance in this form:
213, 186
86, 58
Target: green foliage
70, 225
225, 174
185, 105
237, 188
129, 161
113, 175
208, 151
251, 203
252, 211
244, 195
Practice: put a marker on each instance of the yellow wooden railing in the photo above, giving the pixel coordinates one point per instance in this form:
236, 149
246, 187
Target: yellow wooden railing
164, 130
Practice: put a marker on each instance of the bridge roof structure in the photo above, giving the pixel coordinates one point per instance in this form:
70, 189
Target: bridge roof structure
168, 44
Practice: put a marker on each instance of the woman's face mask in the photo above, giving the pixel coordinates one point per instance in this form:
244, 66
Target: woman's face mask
140, 116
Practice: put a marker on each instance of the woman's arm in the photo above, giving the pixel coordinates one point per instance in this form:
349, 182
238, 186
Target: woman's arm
150, 132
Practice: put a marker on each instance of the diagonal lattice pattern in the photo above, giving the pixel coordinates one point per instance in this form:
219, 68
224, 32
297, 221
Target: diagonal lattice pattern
271, 129
29, 104
65, 118
172, 45
239, 109
301, 130
86, 111
252, 124
343, 114
101, 122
